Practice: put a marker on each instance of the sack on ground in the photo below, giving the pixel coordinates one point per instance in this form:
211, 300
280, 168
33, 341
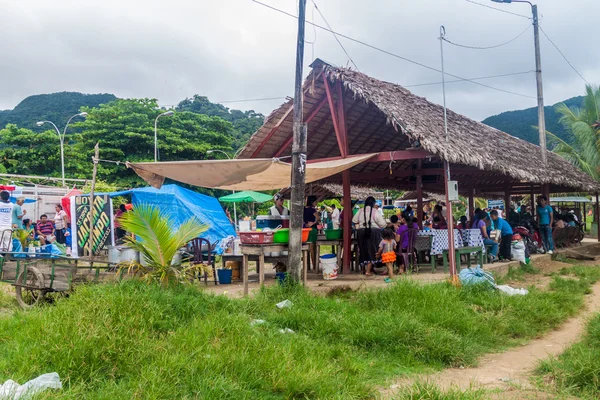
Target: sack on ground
475, 276
518, 251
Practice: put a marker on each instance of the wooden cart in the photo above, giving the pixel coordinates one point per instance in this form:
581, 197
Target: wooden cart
35, 277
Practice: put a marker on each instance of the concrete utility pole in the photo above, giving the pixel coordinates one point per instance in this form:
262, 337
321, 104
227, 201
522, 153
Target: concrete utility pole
538, 76
298, 158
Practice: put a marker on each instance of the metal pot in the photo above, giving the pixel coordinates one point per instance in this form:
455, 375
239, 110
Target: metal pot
118, 254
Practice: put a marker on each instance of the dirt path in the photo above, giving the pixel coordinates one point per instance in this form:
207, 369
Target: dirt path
510, 370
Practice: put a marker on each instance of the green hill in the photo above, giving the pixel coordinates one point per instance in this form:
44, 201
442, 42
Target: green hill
522, 123
55, 107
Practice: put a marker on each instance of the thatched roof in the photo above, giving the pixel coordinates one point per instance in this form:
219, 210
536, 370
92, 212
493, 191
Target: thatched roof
335, 191
385, 117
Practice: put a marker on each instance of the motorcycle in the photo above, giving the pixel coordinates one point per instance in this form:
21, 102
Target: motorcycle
532, 238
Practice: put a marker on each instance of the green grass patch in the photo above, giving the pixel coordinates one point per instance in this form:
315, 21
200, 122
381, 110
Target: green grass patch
518, 273
576, 372
419, 391
132, 340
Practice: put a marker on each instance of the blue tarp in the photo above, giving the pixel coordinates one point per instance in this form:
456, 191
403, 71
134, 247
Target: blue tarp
182, 204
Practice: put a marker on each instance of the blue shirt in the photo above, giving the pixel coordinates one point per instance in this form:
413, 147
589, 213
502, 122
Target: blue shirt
504, 227
544, 214
17, 212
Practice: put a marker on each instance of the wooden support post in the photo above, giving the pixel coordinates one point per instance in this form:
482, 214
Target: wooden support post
347, 222
584, 218
596, 217
95, 171
419, 194
532, 202
506, 202
471, 203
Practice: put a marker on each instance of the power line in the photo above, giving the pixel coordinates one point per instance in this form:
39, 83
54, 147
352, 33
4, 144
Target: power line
498, 9
488, 47
563, 56
334, 35
246, 100
394, 55
471, 79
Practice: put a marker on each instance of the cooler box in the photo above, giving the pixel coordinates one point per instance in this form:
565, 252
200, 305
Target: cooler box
268, 221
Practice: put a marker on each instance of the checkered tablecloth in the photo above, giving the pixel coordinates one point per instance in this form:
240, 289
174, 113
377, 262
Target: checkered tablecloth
473, 238
440, 240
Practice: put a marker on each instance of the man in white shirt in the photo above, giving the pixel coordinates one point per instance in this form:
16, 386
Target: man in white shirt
335, 217
278, 209
6, 214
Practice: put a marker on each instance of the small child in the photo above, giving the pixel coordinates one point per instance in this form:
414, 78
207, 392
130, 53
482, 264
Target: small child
387, 250
427, 226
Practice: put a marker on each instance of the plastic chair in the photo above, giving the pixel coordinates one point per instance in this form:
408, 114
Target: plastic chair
410, 250
203, 257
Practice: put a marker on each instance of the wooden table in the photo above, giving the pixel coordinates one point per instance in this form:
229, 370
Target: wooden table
338, 244
259, 250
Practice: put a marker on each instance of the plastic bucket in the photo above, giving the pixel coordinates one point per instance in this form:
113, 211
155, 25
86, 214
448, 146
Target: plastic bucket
333, 234
281, 236
281, 277
329, 266
224, 276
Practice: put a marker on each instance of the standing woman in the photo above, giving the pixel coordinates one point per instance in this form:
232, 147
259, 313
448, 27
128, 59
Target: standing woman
60, 224
369, 224
311, 219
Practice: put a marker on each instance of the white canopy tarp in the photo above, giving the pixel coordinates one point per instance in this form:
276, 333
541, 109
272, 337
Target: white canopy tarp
247, 174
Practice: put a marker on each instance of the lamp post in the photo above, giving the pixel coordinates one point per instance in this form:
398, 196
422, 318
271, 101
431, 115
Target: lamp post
165, 114
62, 140
538, 75
229, 158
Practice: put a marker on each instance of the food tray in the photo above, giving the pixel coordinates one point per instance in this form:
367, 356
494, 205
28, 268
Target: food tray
256, 237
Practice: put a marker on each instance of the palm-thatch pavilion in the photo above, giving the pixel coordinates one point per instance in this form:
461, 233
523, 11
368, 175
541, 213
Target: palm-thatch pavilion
329, 190
350, 113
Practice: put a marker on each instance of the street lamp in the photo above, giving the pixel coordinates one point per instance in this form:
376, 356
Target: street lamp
538, 75
62, 140
165, 114
229, 158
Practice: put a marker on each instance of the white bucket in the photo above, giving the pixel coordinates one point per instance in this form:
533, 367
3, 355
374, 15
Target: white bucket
329, 267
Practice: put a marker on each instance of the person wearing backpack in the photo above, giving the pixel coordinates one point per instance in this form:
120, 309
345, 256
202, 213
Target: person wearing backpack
369, 224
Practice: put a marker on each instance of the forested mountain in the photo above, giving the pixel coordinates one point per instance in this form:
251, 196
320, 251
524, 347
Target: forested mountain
245, 123
522, 123
55, 107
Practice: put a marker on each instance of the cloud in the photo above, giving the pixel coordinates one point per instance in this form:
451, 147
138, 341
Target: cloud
238, 49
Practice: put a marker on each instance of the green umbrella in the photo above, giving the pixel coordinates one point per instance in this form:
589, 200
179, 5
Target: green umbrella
247, 196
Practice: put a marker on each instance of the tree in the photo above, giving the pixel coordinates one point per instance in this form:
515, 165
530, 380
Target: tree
125, 130
582, 123
26, 152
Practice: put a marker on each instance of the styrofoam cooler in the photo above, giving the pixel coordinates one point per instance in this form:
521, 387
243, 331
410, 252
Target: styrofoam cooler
329, 266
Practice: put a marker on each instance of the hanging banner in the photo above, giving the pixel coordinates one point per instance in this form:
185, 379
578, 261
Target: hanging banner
102, 223
495, 204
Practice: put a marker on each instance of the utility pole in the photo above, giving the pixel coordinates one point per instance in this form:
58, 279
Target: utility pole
298, 159
538, 78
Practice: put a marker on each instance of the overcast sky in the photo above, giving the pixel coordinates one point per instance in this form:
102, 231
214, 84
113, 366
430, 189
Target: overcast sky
238, 49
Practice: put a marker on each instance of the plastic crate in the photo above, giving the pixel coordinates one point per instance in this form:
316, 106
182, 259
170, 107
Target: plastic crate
256, 237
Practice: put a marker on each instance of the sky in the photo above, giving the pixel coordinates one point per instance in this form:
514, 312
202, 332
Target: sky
239, 50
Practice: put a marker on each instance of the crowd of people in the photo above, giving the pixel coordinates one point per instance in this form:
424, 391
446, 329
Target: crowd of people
376, 235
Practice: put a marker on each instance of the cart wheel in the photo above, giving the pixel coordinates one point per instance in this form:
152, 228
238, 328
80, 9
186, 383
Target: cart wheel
26, 297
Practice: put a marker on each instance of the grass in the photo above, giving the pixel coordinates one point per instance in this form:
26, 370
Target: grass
428, 391
132, 340
518, 273
576, 372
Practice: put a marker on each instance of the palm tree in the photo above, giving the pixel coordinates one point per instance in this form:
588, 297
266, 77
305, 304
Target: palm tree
157, 241
583, 124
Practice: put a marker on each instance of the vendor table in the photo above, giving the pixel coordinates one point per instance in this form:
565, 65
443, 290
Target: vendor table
259, 250
337, 246
440, 240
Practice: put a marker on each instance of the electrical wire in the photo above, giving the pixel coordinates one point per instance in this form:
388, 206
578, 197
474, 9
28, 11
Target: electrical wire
246, 100
488, 47
498, 9
396, 55
472, 79
334, 35
563, 56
